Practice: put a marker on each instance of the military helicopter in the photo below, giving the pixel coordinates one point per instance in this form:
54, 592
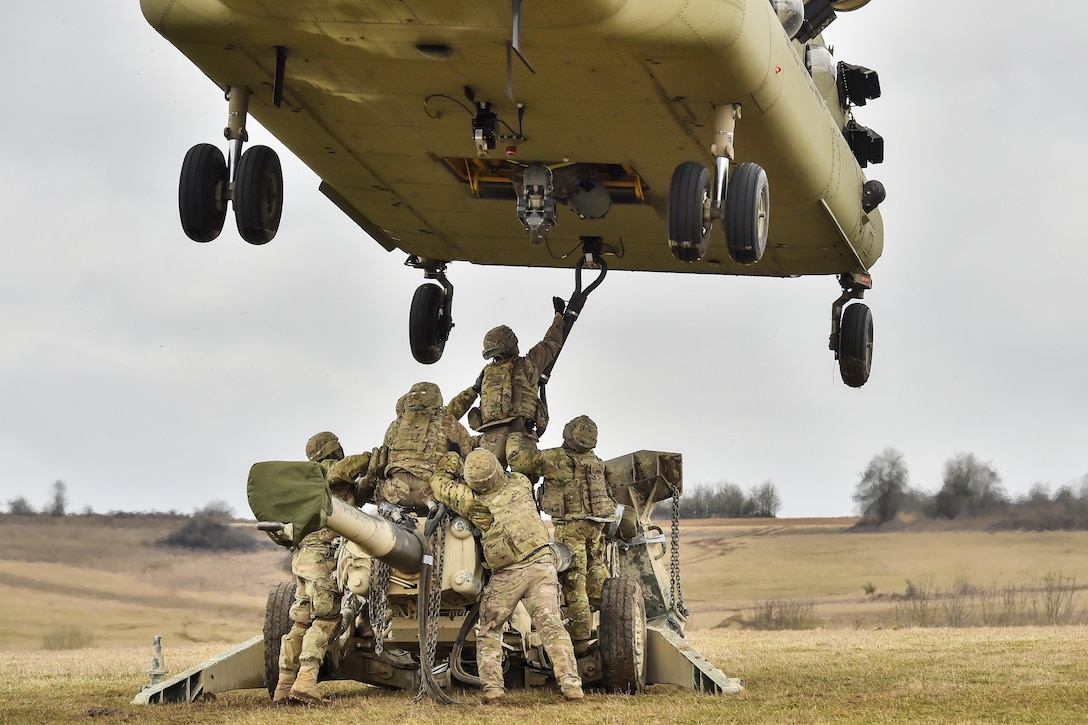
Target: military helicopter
458, 131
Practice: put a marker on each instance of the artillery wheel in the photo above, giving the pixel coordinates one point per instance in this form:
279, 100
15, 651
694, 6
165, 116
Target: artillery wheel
689, 228
428, 323
856, 345
747, 208
258, 195
201, 203
277, 622
623, 635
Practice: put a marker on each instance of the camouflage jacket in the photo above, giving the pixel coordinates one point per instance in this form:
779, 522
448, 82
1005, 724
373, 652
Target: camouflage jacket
522, 375
574, 483
506, 513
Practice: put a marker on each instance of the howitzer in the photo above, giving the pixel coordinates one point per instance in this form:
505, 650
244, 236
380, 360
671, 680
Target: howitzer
411, 602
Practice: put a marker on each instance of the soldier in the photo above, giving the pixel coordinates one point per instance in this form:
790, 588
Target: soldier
422, 432
515, 543
576, 496
316, 610
508, 386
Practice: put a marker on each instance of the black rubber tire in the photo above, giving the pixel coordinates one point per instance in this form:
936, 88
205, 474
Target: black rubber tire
856, 345
428, 324
689, 232
747, 213
258, 195
277, 621
201, 201
623, 635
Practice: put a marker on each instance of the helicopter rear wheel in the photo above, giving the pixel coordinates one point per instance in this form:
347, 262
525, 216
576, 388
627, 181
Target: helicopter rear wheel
747, 208
689, 224
258, 195
201, 201
856, 345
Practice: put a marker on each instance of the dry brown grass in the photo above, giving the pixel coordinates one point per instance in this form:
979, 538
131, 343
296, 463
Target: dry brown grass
104, 576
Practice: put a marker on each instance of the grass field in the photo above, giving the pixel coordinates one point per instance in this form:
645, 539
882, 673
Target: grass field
102, 577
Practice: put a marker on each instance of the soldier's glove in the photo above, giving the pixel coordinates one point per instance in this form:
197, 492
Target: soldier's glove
453, 446
479, 384
559, 305
449, 463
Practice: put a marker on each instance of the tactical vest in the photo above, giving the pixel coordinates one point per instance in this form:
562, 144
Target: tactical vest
517, 530
507, 392
582, 493
418, 442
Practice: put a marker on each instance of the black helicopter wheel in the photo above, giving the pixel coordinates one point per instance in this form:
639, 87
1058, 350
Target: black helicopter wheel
258, 195
856, 345
201, 199
747, 209
689, 224
428, 324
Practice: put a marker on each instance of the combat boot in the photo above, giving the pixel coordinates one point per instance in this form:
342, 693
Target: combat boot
305, 688
492, 697
573, 694
283, 687
581, 646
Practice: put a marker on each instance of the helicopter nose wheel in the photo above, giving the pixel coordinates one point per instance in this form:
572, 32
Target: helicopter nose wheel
431, 316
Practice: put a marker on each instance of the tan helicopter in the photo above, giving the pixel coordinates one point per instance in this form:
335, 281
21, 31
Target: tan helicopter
457, 131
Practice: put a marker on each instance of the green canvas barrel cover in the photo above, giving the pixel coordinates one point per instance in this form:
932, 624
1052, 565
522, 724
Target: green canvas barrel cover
292, 492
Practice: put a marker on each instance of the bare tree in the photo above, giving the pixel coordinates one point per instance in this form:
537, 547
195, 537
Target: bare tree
969, 487
882, 490
20, 507
765, 500
59, 500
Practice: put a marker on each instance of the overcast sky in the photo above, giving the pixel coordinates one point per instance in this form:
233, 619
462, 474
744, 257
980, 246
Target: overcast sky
149, 372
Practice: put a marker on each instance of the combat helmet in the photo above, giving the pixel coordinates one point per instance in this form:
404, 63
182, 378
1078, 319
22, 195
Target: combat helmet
423, 396
482, 471
580, 434
500, 341
324, 445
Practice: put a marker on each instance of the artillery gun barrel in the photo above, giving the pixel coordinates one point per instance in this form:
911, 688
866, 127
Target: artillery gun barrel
384, 540
296, 494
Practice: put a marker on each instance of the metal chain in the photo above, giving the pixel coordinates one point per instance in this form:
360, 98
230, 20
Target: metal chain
674, 554
429, 648
378, 601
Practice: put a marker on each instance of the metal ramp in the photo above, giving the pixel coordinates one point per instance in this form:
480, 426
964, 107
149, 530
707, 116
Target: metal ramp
671, 660
239, 668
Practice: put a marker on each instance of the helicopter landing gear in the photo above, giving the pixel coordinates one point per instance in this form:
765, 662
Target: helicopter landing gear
741, 202
431, 316
252, 181
852, 331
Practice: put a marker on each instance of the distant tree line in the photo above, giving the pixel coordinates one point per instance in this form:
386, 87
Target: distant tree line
725, 500
970, 488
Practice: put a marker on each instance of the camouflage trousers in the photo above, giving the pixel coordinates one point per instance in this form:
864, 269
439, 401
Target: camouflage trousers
537, 586
316, 610
583, 579
405, 489
494, 439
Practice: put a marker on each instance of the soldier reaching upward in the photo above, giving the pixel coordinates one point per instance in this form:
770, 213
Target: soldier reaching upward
515, 543
575, 495
316, 610
508, 387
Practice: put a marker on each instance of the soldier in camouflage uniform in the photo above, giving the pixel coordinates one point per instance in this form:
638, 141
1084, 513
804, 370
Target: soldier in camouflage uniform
316, 610
515, 543
422, 432
576, 496
508, 387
